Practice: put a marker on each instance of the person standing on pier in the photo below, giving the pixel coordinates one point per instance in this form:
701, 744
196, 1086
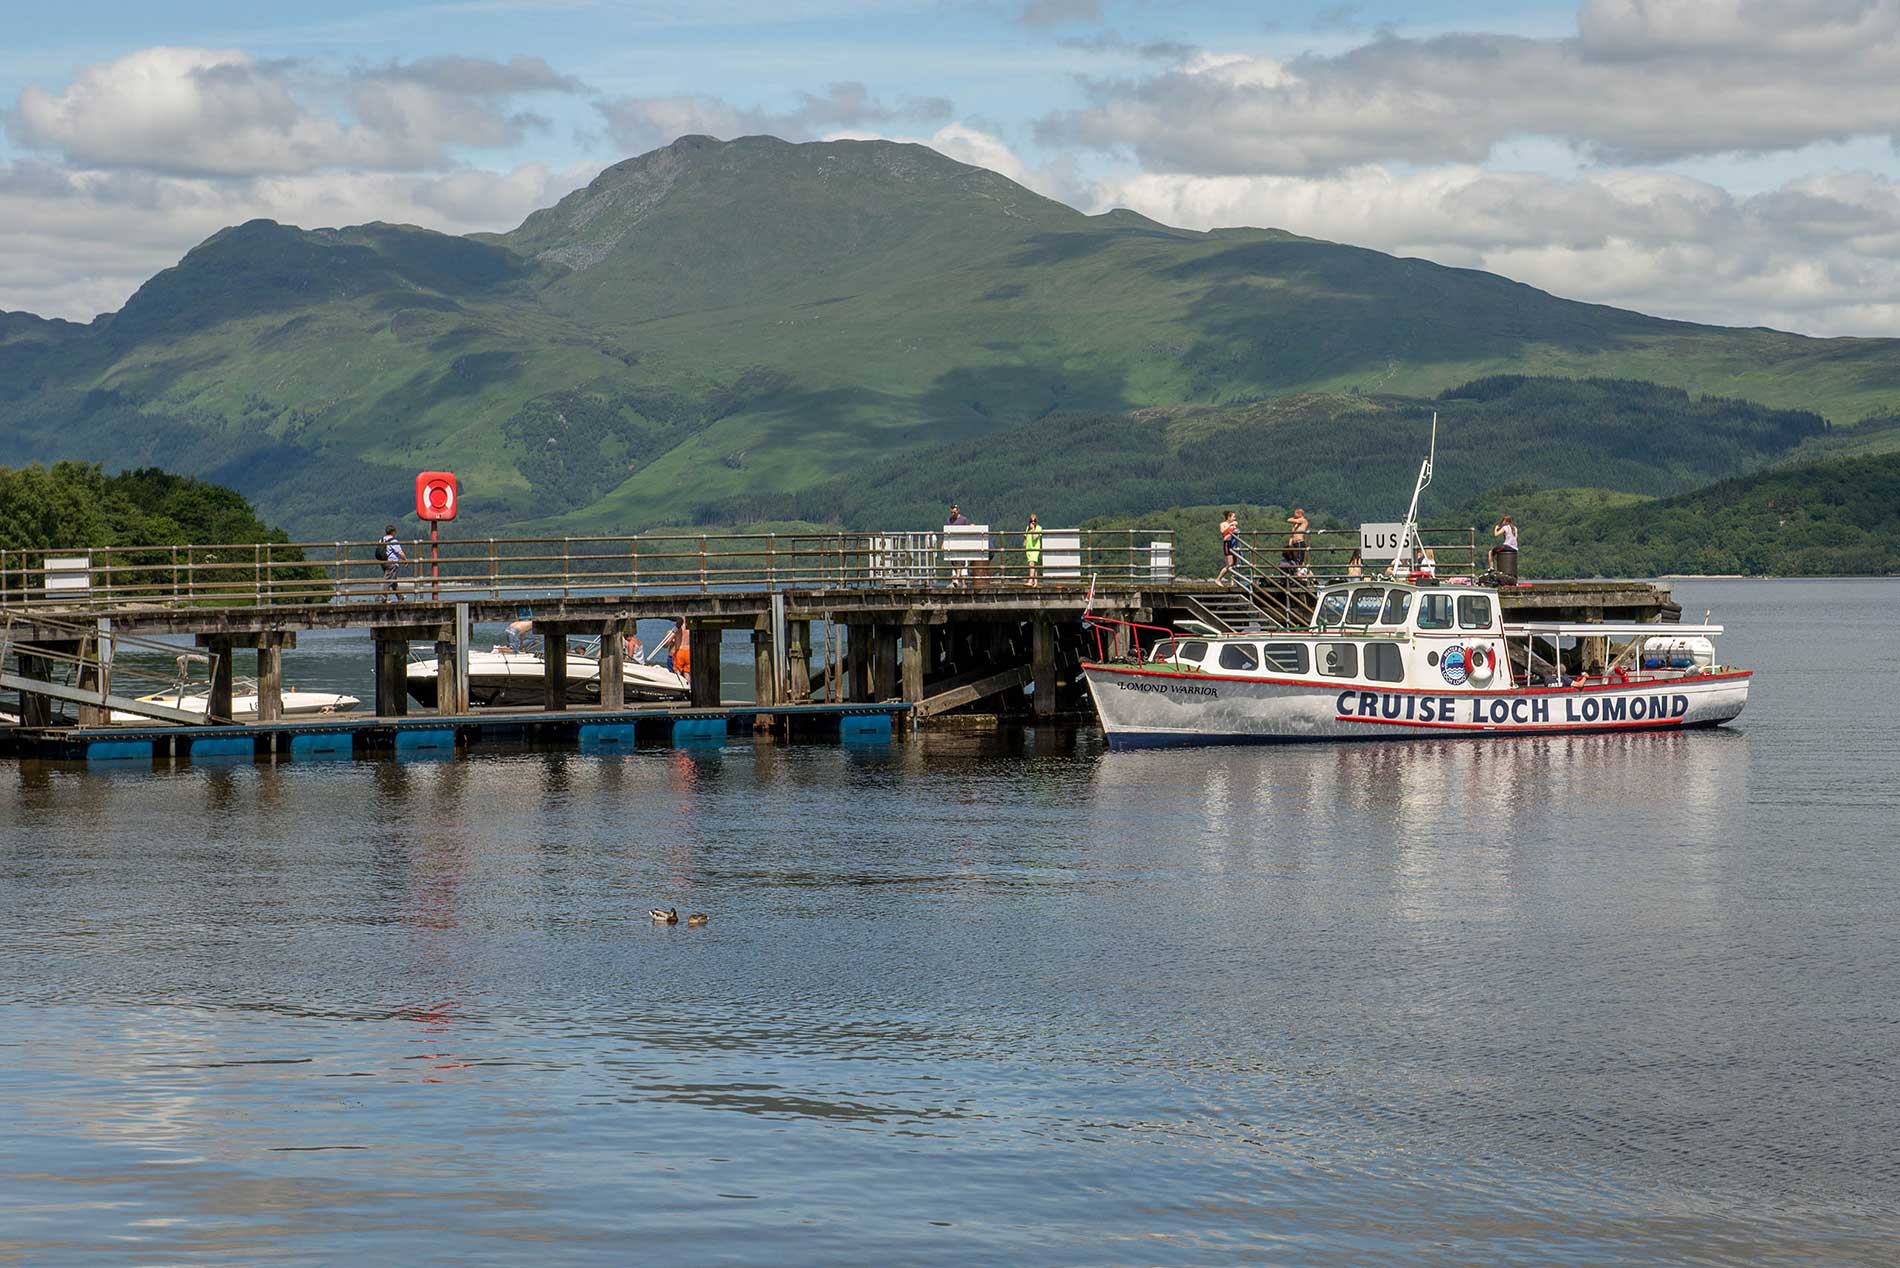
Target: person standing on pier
389, 551
1229, 546
1032, 547
1296, 540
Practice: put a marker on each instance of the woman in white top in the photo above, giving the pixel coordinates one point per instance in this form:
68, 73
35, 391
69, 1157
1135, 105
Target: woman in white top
1504, 554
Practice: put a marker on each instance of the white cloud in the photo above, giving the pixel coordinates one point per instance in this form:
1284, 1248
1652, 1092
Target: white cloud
79, 242
1641, 81
1820, 254
224, 112
640, 123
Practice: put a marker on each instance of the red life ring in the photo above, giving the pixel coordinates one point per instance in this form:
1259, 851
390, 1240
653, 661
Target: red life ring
1481, 661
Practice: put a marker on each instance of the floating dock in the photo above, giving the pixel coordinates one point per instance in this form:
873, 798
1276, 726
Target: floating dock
346, 735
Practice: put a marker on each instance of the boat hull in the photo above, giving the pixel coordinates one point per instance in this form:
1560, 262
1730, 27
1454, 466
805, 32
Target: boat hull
1143, 708
510, 679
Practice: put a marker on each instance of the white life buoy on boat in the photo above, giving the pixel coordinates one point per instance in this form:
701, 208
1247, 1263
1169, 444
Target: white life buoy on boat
1480, 663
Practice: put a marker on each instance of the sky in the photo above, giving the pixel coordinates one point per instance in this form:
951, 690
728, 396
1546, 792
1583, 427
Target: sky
1729, 161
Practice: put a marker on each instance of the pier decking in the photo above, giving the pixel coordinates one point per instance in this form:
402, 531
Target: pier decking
848, 631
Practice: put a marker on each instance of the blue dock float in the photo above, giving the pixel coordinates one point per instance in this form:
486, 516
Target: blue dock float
219, 745
119, 751
332, 744
865, 727
343, 735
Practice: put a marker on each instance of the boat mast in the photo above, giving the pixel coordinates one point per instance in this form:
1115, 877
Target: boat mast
1409, 533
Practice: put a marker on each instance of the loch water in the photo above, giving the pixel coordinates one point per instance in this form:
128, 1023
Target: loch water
981, 999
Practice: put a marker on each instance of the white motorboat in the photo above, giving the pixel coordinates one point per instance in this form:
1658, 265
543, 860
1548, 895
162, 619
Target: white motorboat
196, 698
500, 677
1397, 660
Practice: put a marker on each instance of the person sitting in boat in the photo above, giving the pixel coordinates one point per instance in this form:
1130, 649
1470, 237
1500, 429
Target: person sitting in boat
516, 631
1427, 568
635, 648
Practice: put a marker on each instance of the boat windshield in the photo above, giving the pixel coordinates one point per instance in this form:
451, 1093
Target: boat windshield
1332, 608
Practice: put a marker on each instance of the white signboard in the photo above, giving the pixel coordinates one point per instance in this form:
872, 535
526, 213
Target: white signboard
1062, 555
68, 574
1380, 541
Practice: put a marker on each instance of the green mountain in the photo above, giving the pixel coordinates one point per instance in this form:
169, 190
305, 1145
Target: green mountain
716, 330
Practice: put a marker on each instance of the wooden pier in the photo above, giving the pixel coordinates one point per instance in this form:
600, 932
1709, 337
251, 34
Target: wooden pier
906, 628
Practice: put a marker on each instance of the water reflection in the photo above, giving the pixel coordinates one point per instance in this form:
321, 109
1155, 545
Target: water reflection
967, 999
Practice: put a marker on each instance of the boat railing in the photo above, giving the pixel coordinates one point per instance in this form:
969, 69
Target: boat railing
501, 568
1118, 639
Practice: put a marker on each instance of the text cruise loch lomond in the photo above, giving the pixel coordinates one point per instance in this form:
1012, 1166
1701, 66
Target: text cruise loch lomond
1399, 660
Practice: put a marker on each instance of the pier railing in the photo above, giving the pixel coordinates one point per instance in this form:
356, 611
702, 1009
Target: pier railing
499, 568
1327, 554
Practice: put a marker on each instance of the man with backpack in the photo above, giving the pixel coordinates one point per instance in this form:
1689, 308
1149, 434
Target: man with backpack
389, 554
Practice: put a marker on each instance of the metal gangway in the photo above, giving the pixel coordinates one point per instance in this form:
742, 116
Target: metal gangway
85, 664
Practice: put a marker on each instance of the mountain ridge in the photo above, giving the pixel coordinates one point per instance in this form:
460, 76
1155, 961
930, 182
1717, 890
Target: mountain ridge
720, 320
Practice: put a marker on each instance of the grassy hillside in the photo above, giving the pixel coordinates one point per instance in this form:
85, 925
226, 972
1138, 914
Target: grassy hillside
1834, 517
727, 327
1353, 456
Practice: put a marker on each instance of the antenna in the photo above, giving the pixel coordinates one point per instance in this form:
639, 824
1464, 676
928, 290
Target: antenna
1409, 533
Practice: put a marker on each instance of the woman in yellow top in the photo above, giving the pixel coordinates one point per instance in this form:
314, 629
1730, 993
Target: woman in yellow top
1032, 547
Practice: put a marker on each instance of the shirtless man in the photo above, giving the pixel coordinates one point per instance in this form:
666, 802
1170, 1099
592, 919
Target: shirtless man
1229, 546
1296, 540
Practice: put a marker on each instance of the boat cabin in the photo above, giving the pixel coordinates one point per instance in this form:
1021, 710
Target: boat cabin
1439, 637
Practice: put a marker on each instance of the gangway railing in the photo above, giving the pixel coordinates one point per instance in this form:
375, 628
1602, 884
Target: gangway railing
87, 665
105, 579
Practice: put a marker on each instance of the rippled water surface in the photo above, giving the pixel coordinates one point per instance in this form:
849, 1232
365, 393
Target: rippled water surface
1588, 1000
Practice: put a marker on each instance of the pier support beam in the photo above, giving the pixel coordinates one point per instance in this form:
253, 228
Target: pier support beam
90, 671
451, 688
220, 647
1042, 665
859, 641
704, 680
392, 676
916, 660
765, 685
884, 663
798, 662
35, 710
270, 682
613, 663
553, 667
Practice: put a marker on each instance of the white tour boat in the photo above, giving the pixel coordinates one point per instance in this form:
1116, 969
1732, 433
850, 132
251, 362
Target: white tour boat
501, 677
1399, 660
1406, 659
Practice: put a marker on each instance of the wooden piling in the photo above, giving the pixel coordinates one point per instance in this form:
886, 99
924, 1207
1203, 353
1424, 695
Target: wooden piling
553, 667
613, 663
392, 676
270, 680
704, 680
884, 662
1042, 665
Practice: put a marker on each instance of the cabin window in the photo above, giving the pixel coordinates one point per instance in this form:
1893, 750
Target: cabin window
1190, 649
1339, 660
1474, 612
1434, 611
1239, 656
1397, 604
1332, 608
1285, 658
1366, 604
1383, 662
